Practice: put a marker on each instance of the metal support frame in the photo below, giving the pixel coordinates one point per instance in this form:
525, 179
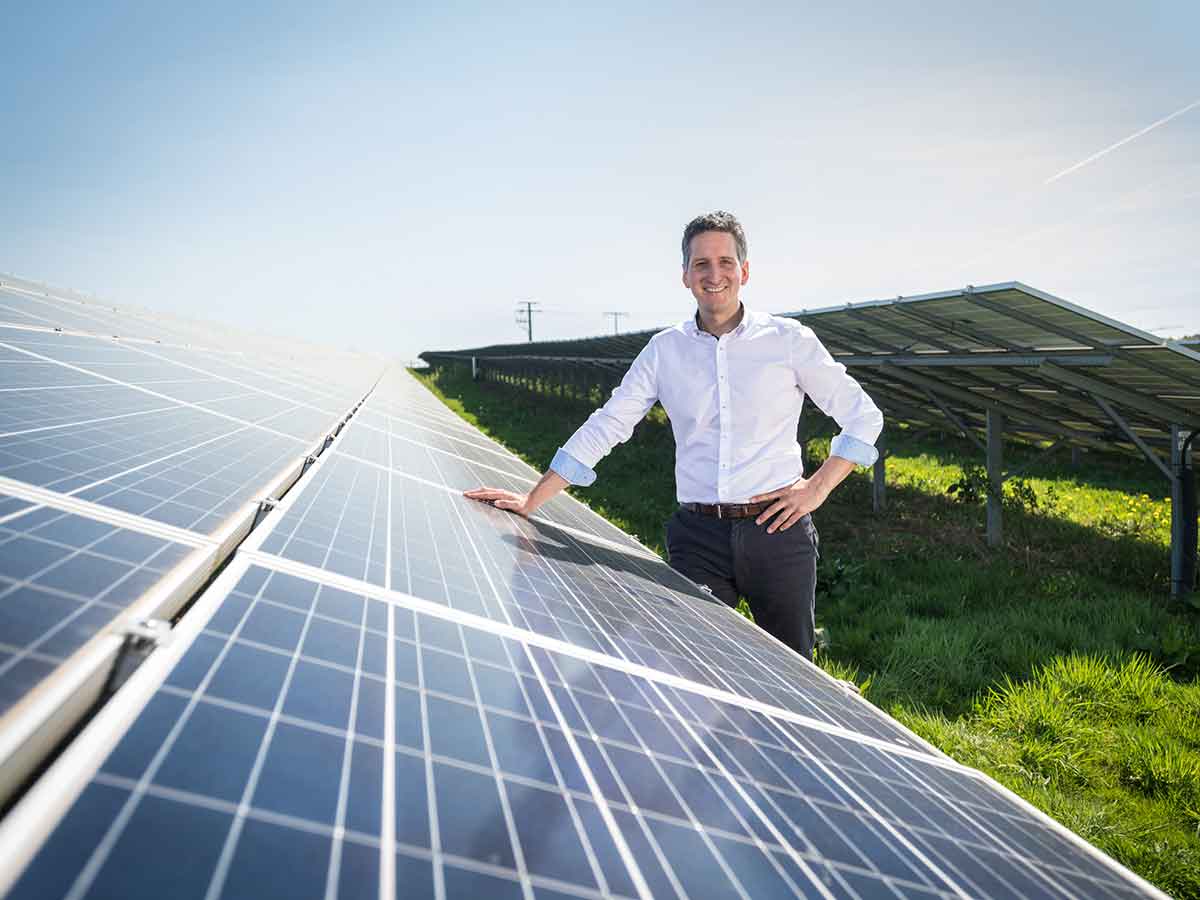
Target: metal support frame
1095, 386
1026, 360
997, 399
958, 423
1174, 470
1183, 532
980, 299
1120, 422
995, 468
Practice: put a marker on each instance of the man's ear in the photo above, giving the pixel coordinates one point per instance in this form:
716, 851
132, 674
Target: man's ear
745, 271
684, 278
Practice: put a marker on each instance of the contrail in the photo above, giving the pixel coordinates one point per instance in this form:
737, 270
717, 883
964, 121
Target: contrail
1137, 134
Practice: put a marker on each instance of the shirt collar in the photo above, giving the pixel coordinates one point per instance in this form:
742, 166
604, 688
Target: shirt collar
691, 325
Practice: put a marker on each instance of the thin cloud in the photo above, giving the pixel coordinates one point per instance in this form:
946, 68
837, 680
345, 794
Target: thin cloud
1137, 134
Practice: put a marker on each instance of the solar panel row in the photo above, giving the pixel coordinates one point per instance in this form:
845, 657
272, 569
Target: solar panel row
392, 691
266, 738
1039, 358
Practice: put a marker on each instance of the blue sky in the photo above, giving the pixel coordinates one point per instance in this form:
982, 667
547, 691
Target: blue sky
395, 179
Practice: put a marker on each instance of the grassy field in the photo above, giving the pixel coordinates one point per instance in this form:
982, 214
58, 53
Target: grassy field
1056, 664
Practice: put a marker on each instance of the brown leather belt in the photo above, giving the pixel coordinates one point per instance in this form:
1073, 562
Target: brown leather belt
726, 510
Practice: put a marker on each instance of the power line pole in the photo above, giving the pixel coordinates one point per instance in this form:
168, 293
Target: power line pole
525, 316
615, 317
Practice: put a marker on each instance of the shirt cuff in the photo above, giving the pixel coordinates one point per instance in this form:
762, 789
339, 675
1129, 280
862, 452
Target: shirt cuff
572, 469
858, 452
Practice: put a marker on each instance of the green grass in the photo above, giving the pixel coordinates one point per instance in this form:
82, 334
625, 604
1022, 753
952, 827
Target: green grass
1056, 663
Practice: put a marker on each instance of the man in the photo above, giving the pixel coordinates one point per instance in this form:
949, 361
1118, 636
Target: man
732, 382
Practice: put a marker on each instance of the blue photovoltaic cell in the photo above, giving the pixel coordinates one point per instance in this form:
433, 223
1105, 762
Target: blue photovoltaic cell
63, 578
711, 800
44, 312
178, 466
339, 523
162, 382
473, 558
68, 430
462, 465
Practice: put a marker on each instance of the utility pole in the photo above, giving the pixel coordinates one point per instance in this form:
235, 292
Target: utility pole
525, 311
615, 317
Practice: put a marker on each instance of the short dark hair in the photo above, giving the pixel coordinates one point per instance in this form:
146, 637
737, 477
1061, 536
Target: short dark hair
714, 221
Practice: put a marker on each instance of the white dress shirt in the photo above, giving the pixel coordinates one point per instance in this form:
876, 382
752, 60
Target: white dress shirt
734, 403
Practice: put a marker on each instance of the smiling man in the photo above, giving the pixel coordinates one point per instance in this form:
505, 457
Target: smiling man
732, 381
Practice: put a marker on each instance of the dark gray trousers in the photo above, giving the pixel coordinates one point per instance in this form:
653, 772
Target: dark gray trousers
776, 573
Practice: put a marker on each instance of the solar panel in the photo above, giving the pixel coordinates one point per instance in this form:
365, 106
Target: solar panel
513, 766
63, 578
389, 690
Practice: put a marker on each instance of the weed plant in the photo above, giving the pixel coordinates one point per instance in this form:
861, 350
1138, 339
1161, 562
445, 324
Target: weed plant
1055, 663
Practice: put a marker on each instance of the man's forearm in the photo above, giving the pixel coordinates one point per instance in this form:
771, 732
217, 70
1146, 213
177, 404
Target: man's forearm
547, 487
831, 473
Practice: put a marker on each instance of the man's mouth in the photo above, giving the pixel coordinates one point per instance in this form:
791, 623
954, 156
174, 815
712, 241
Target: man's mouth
714, 290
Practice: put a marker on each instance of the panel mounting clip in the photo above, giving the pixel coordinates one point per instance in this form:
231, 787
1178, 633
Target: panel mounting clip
308, 461
265, 505
148, 633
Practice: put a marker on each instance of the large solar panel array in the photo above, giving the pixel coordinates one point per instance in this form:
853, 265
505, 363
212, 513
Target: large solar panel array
1041, 360
376, 688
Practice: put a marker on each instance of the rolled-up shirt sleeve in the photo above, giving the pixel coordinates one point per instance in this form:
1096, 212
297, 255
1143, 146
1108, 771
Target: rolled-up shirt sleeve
571, 469
839, 396
614, 422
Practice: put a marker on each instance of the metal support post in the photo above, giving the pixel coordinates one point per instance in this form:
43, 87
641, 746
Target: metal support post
1178, 521
474, 370
995, 476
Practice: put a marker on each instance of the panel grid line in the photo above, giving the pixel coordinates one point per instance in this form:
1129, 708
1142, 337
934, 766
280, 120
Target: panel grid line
97, 857
335, 853
387, 824
144, 390
518, 850
674, 791
582, 535
878, 817
615, 832
222, 868
75, 506
560, 781
783, 843
428, 607
192, 447
697, 658
219, 377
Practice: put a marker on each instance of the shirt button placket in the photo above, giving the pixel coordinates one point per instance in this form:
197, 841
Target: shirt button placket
723, 394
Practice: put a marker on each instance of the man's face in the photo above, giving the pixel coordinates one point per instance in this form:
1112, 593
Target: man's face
714, 275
